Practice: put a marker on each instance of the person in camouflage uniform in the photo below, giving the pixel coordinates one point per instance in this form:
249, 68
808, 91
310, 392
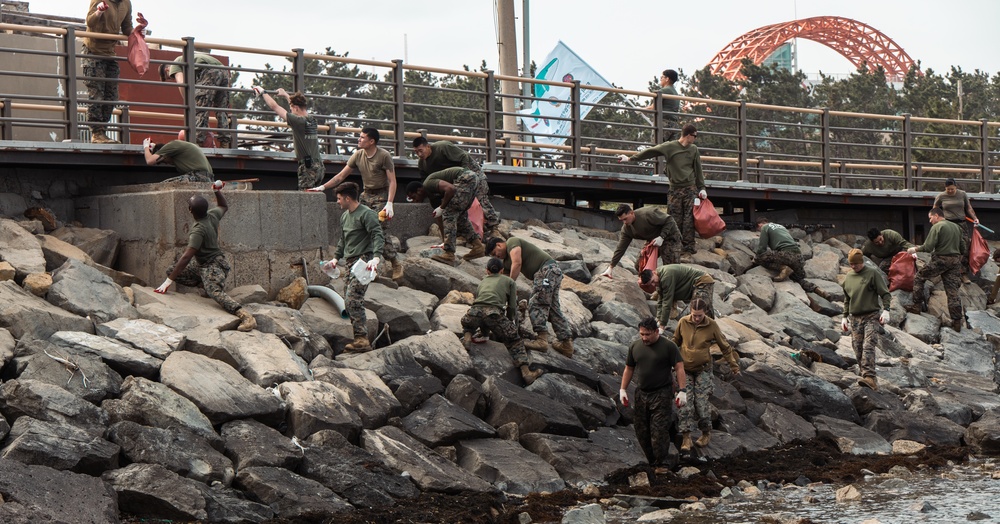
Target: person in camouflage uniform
647, 223
101, 69
495, 311
211, 90
678, 282
695, 335
653, 359
305, 134
686, 179
456, 187
944, 243
863, 288
442, 155
884, 245
778, 251
520, 256
203, 263
187, 158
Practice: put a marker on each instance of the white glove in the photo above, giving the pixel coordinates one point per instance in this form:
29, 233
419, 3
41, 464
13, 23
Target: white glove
437, 246
845, 323
388, 210
317, 189
622, 158
702, 194
911, 250
663, 330
884, 317
682, 399
164, 286
975, 222
102, 7
145, 143
372, 264
623, 397
658, 241
438, 212
257, 91
607, 273
330, 264
217, 185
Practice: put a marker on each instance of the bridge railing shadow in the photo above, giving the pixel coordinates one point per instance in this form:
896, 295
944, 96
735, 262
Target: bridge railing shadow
43, 99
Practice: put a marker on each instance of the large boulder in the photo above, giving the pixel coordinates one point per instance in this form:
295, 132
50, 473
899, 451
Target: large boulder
291, 496
365, 393
182, 311
429, 470
156, 339
59, 446
439, 422
849, 437
758, 287
918, 427
580, 460
968, 352
508, 466
34, 494
435, 278
291, 327
151, 490
620, 313
26, 316
316, 406
153, 404
100, 244
593, 409
81, 289
123, 358
263, 358
786, 426
57, 252
176, 449
984, 434
449, 318
439, 351
20, 248
407, 311
532, 412
250, 444
89, 378
50, 403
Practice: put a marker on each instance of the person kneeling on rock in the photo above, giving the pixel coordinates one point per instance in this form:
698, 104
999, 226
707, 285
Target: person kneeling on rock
495, 311
210, 268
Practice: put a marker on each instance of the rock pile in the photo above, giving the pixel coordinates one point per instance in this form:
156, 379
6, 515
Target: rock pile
116, 399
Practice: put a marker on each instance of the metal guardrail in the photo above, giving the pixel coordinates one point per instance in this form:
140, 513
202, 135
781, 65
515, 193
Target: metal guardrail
740, 142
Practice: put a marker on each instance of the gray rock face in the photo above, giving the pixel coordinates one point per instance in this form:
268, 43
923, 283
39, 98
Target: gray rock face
155, 339
34, 494
968, 352
263, 358
291, 327
365, 392
19, 248
449, 318
438, 422
57, 446
124, 359
25, 315
224, 504
435, 278
824, 398
751, 437
182, 312
250, 444
575, 269
786, 426
759, 288
218, 390
151, 490
291, 496
918, 427
82, 374
315, 406
532, 412
578, 317
984, 434
922, 327
491, 359
849, 437
429, 470
352, 472
615, 333
468, 394
176, 449
406, 310
440, 351
508, 466
152, 404
580, 460
51, 404
57, 252
100, 244
81, 289
593, 409
7, 345
618, 313
413, 391
600, 355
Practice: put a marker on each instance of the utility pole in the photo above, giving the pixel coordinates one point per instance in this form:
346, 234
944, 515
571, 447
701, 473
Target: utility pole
526, 52
507, 43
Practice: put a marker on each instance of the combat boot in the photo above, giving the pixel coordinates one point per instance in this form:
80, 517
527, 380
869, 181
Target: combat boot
540, 343
702, 441
564, 347
686, 442
100, 137
448, 257
467, 340
248, 322
783, 275
914, 308
477, 250
397, 270
530, 375
868, 382
956, 325
360, 345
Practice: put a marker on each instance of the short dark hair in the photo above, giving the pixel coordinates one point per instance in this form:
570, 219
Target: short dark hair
762, 220
298, 99
371, 133
198, 206
413, 187
420, 141
646, 276
649, 323
491, 244
873, 233
949, 182
163, 72
622, 210
936, 211
156, 147
688, 130
348, 189
494, 265
698, 304
670, 74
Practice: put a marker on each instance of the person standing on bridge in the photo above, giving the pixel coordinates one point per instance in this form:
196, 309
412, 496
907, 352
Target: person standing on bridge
442, 155
187, 158
884, 245
305, 133
778, 251
957, 208
943, 242
671, 106
456, 187
646, 223
211, 90
686, 179
378, 176
101, 68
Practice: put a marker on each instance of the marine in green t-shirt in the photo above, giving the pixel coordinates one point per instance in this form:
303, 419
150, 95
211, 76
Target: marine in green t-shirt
305, 134
187, 158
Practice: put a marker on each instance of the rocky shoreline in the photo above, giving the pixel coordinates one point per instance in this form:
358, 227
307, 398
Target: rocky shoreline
120, 401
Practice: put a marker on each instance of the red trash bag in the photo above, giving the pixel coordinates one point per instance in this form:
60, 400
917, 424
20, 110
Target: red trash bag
648, 258
902, 269
707, 221
476, 216
138, 51
979, 252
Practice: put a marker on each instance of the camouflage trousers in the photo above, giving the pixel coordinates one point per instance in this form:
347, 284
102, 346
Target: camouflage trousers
949, 267
207, 94
490, 319
310, 176
193, 176
491, 219
966, 228
102, 87
680, 205
706, 292
654, 422
456, 215
212, 278
376, 200
865, 331
544, 302
773, 260
354, 301
698, 410
670, 249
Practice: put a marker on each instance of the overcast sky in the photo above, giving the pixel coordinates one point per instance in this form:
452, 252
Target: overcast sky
628, 42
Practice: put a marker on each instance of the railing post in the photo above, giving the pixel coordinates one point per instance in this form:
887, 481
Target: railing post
826, 148
507, 157
7, 126
659, 133
300, 70
984, 160
190, 104
577, 124
908, 181
123, 123
741, 142
399, 88
491, 118
72, 102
